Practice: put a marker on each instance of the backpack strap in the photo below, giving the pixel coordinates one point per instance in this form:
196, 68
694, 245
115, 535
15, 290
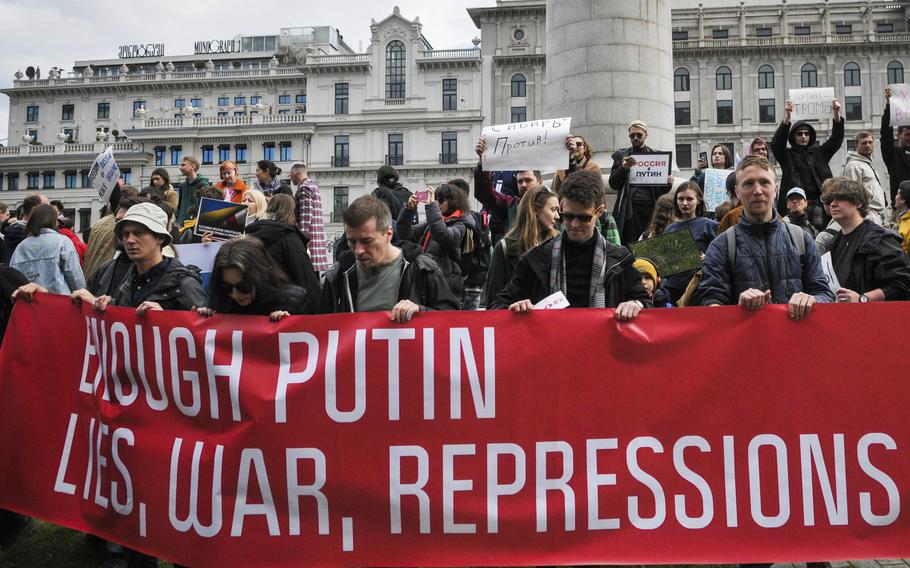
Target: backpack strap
799, 241
731, 245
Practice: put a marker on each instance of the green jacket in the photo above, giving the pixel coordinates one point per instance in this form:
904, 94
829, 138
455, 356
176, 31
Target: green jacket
187, 195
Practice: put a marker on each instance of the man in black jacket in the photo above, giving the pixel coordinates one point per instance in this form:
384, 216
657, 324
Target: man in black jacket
580, 263
805, 163
374, 275
895, 153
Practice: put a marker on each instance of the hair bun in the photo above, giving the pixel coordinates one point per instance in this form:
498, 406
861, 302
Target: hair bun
277, 171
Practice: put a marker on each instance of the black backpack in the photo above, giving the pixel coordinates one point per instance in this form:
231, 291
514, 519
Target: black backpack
475, 251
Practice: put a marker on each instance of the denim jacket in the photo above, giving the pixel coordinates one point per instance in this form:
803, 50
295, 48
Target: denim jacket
50, 260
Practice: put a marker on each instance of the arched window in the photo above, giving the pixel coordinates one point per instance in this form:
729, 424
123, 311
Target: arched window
394, 70
765, 77
808, 76
895, 72
724, 79
851, 75
519, 85
681, 79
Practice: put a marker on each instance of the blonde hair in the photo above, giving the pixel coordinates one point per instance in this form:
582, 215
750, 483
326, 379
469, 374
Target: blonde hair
260, 201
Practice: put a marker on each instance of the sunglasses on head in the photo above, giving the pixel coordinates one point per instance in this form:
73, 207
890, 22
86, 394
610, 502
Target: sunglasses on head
242, 287
566, 217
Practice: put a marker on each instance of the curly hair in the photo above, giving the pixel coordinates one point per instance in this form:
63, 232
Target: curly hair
845, 189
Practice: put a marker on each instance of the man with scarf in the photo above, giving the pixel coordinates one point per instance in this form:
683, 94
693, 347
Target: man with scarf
579, 262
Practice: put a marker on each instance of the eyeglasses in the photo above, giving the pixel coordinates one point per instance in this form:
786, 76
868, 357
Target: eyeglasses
635, 135
242, 287
567, 217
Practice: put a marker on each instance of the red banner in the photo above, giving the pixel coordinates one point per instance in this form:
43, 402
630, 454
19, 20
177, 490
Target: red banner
463, 438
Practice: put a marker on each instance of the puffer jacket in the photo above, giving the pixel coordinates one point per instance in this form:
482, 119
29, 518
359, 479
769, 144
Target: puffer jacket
861, 169
766, 259
804, 166
442, 239
180, 288
879, 262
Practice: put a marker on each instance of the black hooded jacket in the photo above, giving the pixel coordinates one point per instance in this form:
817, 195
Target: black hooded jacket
804, 166
288, 247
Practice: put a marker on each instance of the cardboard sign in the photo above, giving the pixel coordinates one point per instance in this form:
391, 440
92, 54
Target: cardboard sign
812, 104
715, 189
532, 145
104, 174
673, 253
651, 168
225, 220
900, 104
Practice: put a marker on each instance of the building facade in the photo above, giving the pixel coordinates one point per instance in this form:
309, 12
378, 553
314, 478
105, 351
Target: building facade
304, 95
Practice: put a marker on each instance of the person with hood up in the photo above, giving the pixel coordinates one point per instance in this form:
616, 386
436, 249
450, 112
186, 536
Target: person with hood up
805, 162
391, 192
860, 168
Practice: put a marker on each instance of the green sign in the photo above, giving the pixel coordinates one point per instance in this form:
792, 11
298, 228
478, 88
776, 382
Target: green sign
673, 253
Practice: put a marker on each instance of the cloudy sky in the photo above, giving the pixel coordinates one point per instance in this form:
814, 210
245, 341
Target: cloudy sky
48, 33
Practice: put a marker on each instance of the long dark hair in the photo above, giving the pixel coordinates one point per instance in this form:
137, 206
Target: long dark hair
457, 198
699, 196
248, 255
42, 217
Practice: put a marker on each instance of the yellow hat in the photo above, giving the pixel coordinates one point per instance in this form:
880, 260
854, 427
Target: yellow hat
647, 267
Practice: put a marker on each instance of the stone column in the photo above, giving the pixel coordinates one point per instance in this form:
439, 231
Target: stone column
610, 62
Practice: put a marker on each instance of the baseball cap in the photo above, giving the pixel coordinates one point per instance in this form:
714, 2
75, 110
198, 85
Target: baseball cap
796, 191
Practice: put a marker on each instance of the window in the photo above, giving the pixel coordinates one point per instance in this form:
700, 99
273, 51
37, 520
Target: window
239, 101
137, 105
239, 113
222, 114
396, 150
895, 72
300, 99
104, 110
179, 103
196, 102
724, 112
342, 157
884, 28
720, 34
449, 153
766, 111
765, 77
843, 29
208, 153
284, 151
724, 79
341, 98
802, 30
127, 174
176, 155
519, 114
268, 151
394, 70
519, 85
681, 80
240, 153
683, 113
851, 145
85, 180
762, 32
69, 180
853, 108
680, 35
284, 99
808, 76
224, 152
449, 94
851, 75
684, 155
69, 111
85, 218
299, 110
13, 182
284, 111
159, 156
223, 101
31, 180
31, 114
48, 180
339, 202
255, 99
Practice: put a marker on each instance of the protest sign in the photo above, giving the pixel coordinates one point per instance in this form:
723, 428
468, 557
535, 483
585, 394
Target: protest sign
200, 255
715, 187
104, 174
900, 104
651, 168
348, 440
532, 145
813, 103
225, 220
673, 253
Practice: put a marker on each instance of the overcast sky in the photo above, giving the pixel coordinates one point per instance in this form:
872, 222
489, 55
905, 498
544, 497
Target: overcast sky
48, 33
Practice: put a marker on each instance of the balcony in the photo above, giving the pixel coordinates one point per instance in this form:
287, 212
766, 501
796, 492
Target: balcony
801, 40
219, 121
449, 58
341, 161
394, 160
65, 149
161, 76
448, 158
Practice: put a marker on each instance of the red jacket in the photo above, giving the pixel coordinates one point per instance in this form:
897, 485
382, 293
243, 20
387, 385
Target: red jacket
81, 247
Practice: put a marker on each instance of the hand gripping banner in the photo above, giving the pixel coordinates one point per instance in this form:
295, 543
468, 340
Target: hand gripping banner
699, 435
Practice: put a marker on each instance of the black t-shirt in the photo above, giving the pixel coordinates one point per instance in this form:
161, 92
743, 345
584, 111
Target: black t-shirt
578, 258
842, 252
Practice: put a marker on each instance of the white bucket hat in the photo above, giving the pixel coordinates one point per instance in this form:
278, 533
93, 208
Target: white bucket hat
149, 216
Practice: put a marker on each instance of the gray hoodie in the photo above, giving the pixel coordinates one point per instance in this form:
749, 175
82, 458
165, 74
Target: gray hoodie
861, 169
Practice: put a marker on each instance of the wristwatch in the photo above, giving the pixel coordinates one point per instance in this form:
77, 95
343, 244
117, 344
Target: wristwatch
863, 298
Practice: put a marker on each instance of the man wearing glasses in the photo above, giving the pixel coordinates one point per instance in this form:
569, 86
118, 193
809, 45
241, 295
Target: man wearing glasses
589, 271
634, 204
805, 163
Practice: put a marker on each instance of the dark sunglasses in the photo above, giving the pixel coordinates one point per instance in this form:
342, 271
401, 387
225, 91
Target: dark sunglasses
634, 135
242, 287
566, 217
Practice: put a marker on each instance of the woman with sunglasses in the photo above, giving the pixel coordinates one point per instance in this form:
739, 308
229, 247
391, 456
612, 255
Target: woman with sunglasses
246, 281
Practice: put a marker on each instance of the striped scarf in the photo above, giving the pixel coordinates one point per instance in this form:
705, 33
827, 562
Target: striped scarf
596, 295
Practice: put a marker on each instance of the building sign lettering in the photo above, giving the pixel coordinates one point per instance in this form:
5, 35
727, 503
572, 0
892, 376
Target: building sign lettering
146, 50
217, 46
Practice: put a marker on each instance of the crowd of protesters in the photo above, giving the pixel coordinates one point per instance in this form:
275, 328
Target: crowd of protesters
528, 244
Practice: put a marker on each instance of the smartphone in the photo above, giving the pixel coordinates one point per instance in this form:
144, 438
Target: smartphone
422, 196
703, 156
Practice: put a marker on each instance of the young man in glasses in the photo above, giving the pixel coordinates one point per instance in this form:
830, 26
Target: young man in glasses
634, 204
805, 163
579, 262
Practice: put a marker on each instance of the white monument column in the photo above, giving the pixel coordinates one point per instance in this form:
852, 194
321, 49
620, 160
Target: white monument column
610, 62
